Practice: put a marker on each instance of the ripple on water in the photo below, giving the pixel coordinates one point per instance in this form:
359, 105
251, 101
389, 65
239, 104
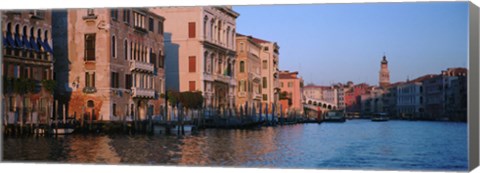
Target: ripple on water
356, 144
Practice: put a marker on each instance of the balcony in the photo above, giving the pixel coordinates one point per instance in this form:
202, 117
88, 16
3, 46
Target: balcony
222, 78
255, 77
141, 67
143, 93
276, 84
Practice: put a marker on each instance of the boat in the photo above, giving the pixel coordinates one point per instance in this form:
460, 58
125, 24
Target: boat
63, 131
334, 116
380, 117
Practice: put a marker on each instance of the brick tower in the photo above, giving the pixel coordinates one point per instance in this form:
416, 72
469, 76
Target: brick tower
384, 75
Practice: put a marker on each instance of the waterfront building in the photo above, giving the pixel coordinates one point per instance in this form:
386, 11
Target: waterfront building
456, 93
27, 65
313, 91
390, 99
291, 96
200, 51
248, 73
353, 97
269, 56
410, 99
330, 95
109, 62
341, 89
384, 74
372, 101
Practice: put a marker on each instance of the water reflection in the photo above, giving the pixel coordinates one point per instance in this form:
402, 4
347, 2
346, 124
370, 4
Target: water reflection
355, 144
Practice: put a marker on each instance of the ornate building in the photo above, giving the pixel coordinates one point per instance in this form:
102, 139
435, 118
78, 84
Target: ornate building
200, 51
27, 65
384, 75
109, 62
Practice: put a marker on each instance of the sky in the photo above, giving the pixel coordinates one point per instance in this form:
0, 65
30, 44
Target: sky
331, 43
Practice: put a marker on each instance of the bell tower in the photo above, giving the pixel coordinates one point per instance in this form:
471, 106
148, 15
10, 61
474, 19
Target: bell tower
384, 75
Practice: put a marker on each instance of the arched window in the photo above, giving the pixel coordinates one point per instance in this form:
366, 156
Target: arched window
228, 36
45, 37
9, 28
205, 61
39, 38
90, 104
125, 49
205, 20
219, 37
31, 32
24, 33
211, 29
242, 66
113, 46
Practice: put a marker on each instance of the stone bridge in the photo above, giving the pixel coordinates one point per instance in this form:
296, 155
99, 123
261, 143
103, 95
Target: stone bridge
315, 107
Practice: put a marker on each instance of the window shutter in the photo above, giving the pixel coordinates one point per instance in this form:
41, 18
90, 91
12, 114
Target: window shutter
192, 64
191, 30
191, 85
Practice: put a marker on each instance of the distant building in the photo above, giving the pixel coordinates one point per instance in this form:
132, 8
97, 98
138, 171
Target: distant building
353, 97
456, 93
313, 91
372, 101
384, 74
200, 51
410, 99
27, 64
248, 72
390, 99
109, 62
330, 95
291, 92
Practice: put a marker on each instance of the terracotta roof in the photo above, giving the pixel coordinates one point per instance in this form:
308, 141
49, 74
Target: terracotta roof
422, 78
257, 40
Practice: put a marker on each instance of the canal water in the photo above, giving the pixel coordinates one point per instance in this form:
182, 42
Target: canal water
355, 144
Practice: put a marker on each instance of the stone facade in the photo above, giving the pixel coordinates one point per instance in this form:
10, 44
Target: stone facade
247, 73
27, 65
111, 62
200, 51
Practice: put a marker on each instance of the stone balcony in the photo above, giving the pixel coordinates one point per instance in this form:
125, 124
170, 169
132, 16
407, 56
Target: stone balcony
143, 93
141, 67
222, 78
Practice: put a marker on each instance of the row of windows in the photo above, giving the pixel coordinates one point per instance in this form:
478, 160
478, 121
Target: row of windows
139, 20
290, 84
215, 32
28, 72
137, 51
39, 34
137, 80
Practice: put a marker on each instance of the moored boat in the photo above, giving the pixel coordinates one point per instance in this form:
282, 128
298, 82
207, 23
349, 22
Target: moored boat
334, 116
380, 117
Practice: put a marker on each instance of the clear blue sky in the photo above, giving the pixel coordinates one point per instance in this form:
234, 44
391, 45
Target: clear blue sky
330, 43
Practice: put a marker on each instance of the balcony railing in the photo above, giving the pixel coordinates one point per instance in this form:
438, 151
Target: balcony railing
143, 93
141, 66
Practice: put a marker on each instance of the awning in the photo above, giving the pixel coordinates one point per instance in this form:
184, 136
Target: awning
26, 42
34, 44
45, 46
10, 40
18, 41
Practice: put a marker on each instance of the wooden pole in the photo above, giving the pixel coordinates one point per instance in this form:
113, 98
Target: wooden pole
55, 117
64, 115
